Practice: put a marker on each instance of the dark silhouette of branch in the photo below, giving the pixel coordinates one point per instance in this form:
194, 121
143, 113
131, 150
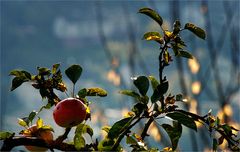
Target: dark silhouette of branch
134, 51
120, 137
174, 8
61, 138
103, 39
14, 142
215, 50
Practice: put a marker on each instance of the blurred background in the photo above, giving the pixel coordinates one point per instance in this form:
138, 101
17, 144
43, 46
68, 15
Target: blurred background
105, 38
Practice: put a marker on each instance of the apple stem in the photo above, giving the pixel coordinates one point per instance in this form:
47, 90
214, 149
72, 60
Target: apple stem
73, 90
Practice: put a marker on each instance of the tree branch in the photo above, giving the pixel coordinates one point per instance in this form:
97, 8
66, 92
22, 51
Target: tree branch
61, 138
119, 139
8, 144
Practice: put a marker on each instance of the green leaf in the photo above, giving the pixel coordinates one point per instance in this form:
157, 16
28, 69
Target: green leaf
17, 81
179, 97
163, 87
21, 122
154, 82
106, 128
130, 93
89, 130
153, 14
82, 93
176, 27
21, 73
74, 72
159, 91
175, 49
184, 54
16, 73
139, 108
48, 106
196, 30
43, 92
131, 140
144, 99
142, 84
153, 36
32, 116
43, 71
5, 135
118, 127
79, 129
183, 119
215, 144
174, 132
84, 128
227, 129
155, 96
55, 68
79, 141
105, 145
96, 92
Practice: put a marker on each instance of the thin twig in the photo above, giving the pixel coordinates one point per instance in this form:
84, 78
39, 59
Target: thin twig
120, 137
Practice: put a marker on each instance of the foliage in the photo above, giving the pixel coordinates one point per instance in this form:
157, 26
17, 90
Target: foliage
150, 105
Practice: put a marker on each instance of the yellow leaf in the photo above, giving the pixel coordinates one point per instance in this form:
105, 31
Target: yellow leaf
39, 123
152, 38
26, 132
168, 34
167, 149
21, 122
88, 109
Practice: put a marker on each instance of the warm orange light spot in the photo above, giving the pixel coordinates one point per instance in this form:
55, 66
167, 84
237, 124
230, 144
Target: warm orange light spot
193, 106
113, 77
194, 65
199, 124
153, 131
94, 117
227, 109
196, 87
236, 126
220, 115
223, 146
124, 112
103, 134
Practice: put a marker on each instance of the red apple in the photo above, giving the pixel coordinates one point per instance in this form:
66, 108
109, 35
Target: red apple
69, 112
40, 134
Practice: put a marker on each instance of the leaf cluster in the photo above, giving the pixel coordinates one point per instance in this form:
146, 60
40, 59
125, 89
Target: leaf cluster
150, 106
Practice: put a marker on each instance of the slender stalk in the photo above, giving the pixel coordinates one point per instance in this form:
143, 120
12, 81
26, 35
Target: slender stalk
61, 138
160, 67
119, 139
73, 90
145, 129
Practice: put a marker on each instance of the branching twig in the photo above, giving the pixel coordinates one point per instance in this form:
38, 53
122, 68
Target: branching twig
119, 139
61, 138
14, 142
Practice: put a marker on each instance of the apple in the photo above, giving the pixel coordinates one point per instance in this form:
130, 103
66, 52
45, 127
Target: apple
69, 112
40, 134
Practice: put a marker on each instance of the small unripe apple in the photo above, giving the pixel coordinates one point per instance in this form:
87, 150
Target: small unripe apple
40, 134
69, 112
